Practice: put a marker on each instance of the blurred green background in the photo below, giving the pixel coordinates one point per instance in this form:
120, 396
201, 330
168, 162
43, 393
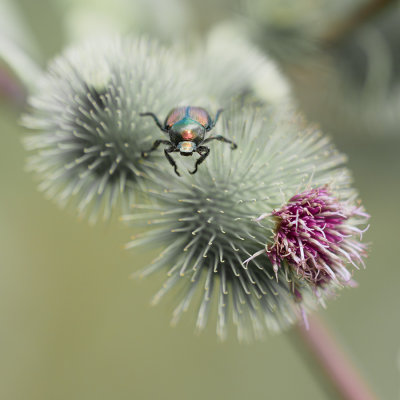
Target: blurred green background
74, 326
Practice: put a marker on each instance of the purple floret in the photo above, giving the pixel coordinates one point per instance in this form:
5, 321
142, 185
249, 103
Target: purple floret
317, 235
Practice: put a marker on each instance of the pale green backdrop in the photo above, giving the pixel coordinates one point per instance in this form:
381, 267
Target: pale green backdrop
74, 326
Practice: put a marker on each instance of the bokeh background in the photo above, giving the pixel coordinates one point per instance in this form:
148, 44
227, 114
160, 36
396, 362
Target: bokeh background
72, 323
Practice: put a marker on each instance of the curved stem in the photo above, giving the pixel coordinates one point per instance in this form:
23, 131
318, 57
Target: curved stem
10, 88
324, 355
343, 28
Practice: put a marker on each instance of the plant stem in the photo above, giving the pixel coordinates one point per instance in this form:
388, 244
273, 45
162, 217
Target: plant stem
10, 88
342, 29
328, 361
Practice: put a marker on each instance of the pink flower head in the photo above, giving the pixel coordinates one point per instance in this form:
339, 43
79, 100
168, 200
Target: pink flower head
317, 235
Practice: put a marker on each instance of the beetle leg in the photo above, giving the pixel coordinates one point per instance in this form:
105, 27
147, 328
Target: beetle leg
222, 139
154, 147
170, 159
156, 120
215, 119
204, 151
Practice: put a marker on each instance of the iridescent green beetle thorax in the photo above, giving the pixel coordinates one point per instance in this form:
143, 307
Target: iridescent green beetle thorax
187, 130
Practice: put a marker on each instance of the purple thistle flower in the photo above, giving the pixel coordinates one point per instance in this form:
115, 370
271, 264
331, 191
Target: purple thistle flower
316, 235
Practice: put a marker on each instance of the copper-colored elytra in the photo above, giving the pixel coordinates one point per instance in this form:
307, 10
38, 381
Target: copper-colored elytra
199, 115
187, 135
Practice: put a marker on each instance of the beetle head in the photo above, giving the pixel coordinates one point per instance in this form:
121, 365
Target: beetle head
186, 148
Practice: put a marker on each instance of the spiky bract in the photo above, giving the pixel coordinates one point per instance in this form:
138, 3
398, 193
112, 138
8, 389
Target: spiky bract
206, 221
89, 134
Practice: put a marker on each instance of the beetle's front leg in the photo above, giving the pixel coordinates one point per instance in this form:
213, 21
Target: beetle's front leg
154, 147
204, 151
222, 139
156, 120
170, 159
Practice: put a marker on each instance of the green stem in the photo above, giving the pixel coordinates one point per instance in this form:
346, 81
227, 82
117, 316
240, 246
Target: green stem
10, 88
344, 28
329, 363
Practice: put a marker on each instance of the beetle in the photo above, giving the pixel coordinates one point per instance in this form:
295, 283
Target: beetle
187, 127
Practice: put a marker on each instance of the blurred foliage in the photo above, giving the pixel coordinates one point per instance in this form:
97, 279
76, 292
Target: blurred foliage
291, 29
341, 57
18, 49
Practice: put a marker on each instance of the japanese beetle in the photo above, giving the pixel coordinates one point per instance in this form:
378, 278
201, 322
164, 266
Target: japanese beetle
187, 127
